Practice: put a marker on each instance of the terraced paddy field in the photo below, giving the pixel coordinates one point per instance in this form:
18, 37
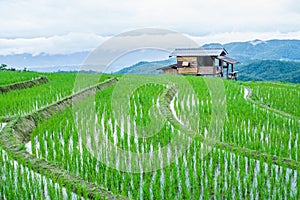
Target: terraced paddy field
92, 136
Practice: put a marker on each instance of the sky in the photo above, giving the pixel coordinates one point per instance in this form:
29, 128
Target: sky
65, 26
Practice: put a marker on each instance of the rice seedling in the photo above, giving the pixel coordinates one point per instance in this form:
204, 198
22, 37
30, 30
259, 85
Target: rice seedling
71, 140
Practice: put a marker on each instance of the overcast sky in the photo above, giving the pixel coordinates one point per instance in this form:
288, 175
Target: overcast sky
62, 26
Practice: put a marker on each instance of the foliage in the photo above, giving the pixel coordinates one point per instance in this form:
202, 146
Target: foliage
270, 70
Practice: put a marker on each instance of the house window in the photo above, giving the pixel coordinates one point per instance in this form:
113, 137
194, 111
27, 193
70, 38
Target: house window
185, 64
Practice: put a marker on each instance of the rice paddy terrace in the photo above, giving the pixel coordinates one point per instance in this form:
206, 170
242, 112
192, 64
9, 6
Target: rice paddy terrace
146, 137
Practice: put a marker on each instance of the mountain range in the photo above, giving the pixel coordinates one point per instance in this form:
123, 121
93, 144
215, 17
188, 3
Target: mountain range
259, 60
273, 60
147, 67
262, 50
256, 70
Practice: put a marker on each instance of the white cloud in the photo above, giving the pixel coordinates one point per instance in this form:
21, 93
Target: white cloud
35, 18
73, 42
243, 36
77, 42
60, 26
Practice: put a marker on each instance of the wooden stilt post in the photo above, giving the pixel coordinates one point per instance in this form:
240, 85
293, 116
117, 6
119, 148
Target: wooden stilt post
221, 66
227, 70
214, 67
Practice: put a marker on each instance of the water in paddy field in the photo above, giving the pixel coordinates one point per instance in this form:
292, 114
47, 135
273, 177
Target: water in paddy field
246, 93
2, 125
37, 177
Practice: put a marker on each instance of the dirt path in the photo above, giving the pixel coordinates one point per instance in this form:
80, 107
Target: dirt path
23, 84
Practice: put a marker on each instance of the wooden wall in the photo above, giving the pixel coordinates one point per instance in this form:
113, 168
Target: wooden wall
206, 70
190, 59
205, 61
187, 70
203, 65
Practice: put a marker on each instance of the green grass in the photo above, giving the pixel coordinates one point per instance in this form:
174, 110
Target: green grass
8, 77
77, 138
283, 97
220, 174
60, 85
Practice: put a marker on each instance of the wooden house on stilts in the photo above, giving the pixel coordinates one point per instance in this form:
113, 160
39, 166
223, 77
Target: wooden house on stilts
202, 62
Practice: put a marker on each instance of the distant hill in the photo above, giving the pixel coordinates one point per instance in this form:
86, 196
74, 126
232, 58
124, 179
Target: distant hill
270, 70
243, 51
147, 67
273, 60
262, 50
260, 60
259, 70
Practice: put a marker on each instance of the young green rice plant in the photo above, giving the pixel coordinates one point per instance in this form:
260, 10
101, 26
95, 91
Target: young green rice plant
220, 174
17, 182
9, 77
283, 97
20, 102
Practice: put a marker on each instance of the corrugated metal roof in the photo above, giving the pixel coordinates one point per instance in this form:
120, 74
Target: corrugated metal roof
199, 52
227, 59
